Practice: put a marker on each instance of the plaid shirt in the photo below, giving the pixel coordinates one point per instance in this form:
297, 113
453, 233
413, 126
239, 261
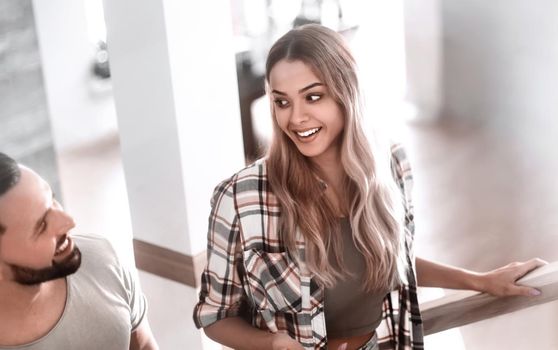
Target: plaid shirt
250, 274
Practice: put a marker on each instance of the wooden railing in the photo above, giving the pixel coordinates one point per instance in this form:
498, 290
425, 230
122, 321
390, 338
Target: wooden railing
463, 308
466, 307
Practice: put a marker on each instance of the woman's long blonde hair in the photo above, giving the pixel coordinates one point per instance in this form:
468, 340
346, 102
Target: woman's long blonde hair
374, 201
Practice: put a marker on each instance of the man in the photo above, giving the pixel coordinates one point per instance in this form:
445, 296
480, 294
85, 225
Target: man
54, 295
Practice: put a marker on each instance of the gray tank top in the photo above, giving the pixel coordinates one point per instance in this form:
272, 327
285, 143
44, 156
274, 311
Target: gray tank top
349, 310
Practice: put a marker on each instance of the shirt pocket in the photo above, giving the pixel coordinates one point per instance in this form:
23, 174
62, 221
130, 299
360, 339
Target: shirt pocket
273, 281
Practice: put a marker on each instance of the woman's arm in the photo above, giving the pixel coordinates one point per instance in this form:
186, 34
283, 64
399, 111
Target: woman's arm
499, 282
236, 333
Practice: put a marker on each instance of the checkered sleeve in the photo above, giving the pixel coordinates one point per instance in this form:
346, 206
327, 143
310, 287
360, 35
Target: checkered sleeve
410, 331
221, 288
401, 169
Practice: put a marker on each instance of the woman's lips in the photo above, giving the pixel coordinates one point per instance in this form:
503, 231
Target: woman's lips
307, 135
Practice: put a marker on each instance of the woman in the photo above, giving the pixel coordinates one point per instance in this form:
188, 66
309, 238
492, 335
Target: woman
311, 247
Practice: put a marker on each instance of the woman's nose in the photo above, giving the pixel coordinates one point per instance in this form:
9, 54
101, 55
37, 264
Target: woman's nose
299, 114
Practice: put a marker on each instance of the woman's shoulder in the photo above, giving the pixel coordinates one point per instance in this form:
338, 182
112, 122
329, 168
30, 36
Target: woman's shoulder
250, 175
253, 177
398, 152
399, 158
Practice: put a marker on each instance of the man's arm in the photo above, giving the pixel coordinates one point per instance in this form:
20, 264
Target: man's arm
499, 282
142, 338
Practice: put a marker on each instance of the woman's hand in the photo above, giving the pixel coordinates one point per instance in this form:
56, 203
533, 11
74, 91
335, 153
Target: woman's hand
501, 282
282, 341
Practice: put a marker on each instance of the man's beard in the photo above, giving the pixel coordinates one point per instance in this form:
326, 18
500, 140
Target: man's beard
28, 276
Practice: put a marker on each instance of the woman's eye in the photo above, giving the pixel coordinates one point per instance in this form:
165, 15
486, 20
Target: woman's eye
281, 103
313, 97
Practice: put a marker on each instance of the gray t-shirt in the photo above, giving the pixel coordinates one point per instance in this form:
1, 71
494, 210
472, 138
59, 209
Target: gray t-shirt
103, 306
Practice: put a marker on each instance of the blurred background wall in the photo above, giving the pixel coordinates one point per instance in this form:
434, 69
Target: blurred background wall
500, 62
25, 129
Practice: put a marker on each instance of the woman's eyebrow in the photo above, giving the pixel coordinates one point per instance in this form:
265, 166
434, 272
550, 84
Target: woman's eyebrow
308, 87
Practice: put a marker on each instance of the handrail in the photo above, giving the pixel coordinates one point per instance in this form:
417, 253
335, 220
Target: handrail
467, 307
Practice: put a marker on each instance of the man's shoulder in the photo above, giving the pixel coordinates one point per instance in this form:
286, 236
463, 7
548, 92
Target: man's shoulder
97, 253
91, 239
94, 244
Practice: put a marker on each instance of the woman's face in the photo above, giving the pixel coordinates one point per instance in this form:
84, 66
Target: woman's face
305, 110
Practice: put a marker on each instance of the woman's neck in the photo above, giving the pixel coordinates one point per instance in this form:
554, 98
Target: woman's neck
332, 173
330, 170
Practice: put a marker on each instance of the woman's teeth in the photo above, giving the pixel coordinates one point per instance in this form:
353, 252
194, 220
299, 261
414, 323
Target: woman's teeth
307, 132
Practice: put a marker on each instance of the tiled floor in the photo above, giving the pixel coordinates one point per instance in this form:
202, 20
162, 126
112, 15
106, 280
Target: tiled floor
483, 197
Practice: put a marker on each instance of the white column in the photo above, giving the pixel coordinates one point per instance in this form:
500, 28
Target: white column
83, 121
176, 95
79, 114
423, 46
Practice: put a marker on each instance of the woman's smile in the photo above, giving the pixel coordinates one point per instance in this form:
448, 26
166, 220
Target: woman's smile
308, 135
